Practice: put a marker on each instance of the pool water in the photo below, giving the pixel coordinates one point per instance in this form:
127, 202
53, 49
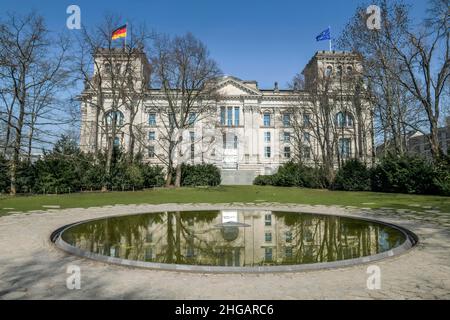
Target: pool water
233, 238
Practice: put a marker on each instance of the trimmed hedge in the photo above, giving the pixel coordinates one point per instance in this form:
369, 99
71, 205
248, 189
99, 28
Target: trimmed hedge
66, 169
352, 176
293, 174
4, 176
200, 175
405, 174
396, 174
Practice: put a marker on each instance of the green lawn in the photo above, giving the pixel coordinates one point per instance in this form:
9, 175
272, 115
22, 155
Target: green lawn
225, 194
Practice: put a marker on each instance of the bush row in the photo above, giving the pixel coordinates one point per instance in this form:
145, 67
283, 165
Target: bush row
294, 174
395, 174
200, 175
66, 169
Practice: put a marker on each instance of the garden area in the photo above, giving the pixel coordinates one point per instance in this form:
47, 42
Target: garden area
68, 178
227, 194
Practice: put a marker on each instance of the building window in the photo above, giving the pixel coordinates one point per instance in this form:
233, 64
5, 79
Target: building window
288, 252
151, 151
190, 252
192, 118
286, 136
267, 152
266, 119
152, 119
268, 254
306, 120
235, 145
148, 254
308, 235
236, 116
349, 70
114, 117
287, 152
288, 236
108, 69
344, 119
222, 116
230, 116
118, 68
116, 142
287, 119
306, 152
224, 140
268, 219
192, 137
266, 137
306, 137
345, 147
268, 236
151, 136
329, 71
149, 237
172, 119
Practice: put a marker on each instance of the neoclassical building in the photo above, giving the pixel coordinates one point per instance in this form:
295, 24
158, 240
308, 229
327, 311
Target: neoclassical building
253, 130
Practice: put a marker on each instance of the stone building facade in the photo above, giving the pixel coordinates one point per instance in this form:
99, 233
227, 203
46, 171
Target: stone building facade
253, 130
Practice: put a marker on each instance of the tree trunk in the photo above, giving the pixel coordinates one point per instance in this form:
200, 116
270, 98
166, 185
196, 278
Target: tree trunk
434, 139
8, 131
109, 155
178, 176
30, 142
168, 178
21, 92
132, 141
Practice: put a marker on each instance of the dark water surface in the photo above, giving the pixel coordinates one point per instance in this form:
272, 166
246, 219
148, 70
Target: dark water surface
233, 238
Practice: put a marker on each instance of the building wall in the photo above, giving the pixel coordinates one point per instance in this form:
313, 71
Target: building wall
253, 103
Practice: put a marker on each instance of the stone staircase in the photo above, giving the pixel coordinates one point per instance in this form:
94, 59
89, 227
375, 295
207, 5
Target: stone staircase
241, 177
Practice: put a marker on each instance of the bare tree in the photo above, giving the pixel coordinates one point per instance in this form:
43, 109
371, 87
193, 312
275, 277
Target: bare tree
30, 60
186, 76
408, 68
313, 117
116, 80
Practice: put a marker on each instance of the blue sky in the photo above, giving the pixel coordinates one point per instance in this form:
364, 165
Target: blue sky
266, 41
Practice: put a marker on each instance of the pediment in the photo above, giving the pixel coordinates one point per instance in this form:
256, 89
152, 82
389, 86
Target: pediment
234, 87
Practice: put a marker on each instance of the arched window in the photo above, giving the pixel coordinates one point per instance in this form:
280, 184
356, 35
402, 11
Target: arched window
344, 119
349, 70
108, 69
339, 70
118, 68
329, 71
114, 117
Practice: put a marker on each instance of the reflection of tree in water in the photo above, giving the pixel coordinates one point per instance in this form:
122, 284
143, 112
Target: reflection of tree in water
318, 238
192, 238
116, 236
187, 239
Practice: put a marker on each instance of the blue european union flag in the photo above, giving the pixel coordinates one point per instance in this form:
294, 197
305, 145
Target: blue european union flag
325, 35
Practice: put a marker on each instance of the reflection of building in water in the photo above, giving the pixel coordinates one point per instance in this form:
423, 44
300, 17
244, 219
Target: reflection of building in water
269, 238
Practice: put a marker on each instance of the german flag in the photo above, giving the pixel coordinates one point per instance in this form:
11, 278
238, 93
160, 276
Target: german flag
120, 32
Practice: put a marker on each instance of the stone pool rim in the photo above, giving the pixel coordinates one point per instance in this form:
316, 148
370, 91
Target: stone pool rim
411, 241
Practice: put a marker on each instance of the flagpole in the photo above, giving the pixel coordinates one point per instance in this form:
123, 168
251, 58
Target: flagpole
329, 28
126, 35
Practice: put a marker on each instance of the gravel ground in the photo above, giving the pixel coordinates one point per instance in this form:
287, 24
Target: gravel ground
31, 267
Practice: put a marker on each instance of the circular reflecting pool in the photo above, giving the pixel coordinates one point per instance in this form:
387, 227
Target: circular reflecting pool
230, 238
